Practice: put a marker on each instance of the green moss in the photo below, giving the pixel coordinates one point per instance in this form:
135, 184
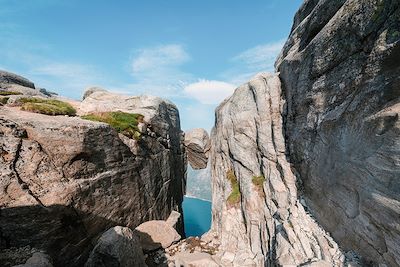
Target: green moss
124, 123
4, 100
378, 11
258, 182
47, 106
395, 34
3, 93
234, 196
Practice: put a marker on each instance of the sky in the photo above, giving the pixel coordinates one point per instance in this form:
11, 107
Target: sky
194, 53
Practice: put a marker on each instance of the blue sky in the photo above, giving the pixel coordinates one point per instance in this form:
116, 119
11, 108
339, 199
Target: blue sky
193, 53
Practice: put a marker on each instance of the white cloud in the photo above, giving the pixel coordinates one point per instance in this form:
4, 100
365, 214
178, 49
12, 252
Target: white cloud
157, 70
209, 92
261, 57
257, 59
159, 57
72, 77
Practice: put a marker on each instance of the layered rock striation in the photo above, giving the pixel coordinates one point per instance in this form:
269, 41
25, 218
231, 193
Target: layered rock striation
320, 137
197, 144
65, 180
257, 215
340, 71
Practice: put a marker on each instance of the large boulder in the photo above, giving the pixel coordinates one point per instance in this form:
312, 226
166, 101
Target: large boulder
65, 180
156, 234
117, 247
197, 143
38, 259
340, 69
8, 78
15, 83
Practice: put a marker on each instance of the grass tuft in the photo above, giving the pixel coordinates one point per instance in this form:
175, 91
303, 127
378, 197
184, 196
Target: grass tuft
234, 196
4, 93
122, 122
4, 100
258, 182
47, 106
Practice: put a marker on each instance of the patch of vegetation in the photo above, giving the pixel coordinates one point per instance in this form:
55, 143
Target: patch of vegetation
378, 11
258, 182
47, 106
124, 123
4, 100
4, 93
234, 197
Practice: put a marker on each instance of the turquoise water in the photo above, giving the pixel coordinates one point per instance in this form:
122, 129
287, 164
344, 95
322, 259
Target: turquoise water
197, 216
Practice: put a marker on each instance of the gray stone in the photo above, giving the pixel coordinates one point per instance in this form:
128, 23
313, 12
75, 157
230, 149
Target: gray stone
197, 143
117, 247
156, 234
340, 68
91, 90
266, 223
38, 259
8, 78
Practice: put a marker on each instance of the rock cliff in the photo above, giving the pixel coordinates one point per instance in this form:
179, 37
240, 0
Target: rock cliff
256, 212
315, 146
340, 70
65, 180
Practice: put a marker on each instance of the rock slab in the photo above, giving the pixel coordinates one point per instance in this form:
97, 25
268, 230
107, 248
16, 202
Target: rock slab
117, 247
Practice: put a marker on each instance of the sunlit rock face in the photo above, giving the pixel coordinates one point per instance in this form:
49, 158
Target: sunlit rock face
340, 72
256, 212
65, 180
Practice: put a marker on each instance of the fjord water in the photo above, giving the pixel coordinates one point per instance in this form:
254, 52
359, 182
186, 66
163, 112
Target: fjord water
197, 216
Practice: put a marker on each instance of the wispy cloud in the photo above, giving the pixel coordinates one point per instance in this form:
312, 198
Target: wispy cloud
157, 70
246, 64
158, 58
72, 77
209, 92
261, 57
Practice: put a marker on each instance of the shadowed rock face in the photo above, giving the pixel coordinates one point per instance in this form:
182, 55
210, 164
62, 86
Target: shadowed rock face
117, 247
265, 222
340, 68
65, 180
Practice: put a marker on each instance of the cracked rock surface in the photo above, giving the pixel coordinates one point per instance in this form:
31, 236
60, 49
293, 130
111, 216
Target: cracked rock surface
340, 70
65, 180
266, 224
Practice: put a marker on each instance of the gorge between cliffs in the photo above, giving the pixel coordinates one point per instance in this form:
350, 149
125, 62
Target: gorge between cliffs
304, 162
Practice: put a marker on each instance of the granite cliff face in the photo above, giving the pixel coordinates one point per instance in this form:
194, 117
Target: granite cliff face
65, 180
340, 69
320, 137
256, 211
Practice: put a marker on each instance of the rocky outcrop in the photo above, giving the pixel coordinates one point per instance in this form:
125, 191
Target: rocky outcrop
197, 144
340, 70
65, 180
257, 215
117, 247
15, 83
156, 234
